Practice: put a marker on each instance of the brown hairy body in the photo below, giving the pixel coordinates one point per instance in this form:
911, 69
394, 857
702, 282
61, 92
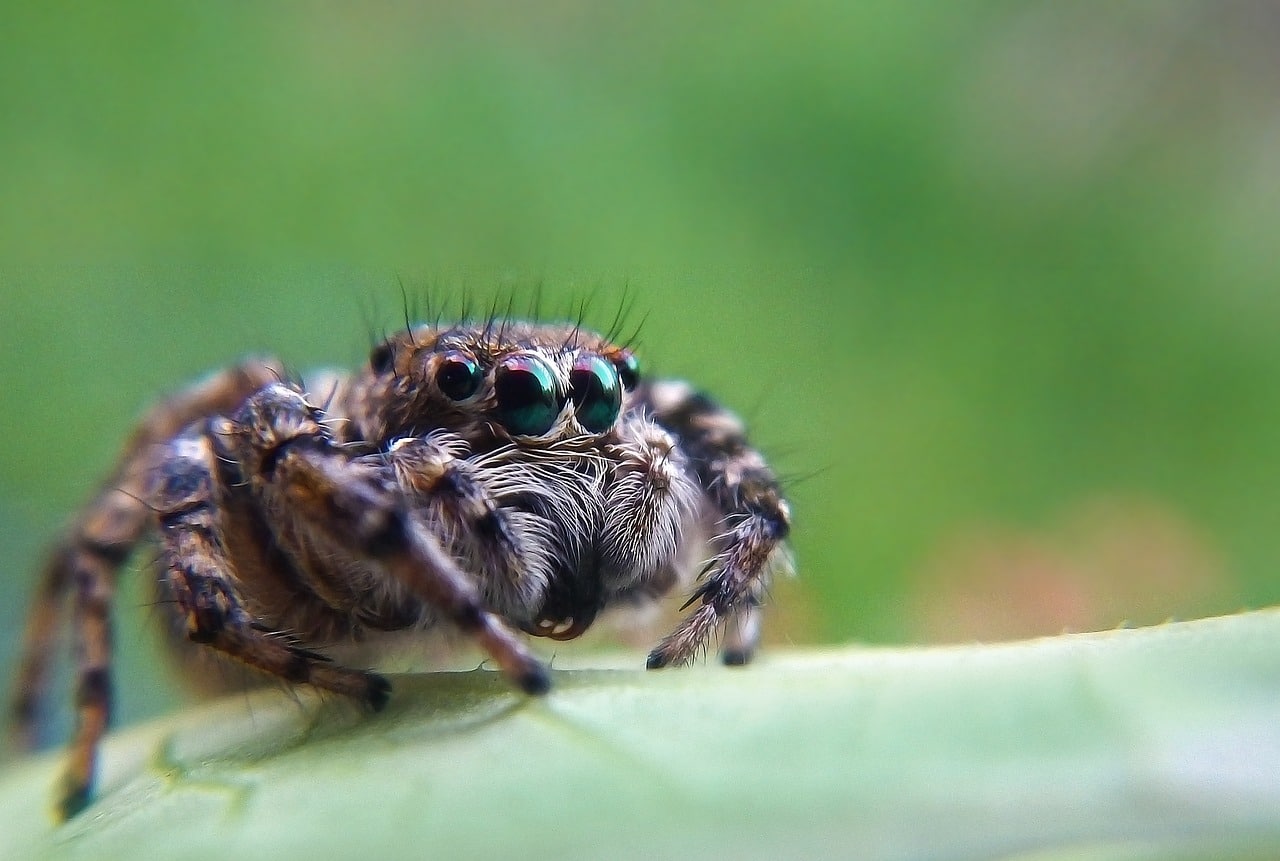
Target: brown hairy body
500, 477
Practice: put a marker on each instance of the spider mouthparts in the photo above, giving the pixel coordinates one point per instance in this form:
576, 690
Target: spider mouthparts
565, 629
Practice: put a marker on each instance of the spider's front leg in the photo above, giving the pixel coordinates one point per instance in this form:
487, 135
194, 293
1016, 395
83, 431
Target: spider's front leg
199, 573
345, 507
747, 496
87, 556
84, 564
461, 500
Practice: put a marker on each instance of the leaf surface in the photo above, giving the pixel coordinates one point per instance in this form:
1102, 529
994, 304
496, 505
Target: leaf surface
1161, 742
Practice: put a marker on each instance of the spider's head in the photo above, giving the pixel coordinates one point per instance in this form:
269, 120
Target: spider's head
518, 382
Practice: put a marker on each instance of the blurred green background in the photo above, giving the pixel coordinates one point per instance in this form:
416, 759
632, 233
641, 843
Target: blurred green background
994, 283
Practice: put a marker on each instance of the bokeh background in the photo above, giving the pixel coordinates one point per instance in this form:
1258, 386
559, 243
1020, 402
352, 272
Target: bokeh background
994, 283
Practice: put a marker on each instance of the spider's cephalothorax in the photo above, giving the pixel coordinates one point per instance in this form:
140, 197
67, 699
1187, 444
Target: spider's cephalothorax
490, 477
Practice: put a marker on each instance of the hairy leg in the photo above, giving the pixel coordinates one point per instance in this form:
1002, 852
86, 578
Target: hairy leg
84, 563
741, 633
461, 502
199, 574
86, 558
344, 505
649, 506
755, 517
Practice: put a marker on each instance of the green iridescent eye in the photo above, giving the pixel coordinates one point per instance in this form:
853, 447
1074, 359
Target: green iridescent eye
596, 393
628, 367
525, 388
458, 375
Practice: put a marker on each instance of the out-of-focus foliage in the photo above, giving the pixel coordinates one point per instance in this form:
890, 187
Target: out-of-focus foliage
994, 283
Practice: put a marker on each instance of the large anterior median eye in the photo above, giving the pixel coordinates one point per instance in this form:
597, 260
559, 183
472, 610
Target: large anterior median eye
525, 387
458, 375
596, 393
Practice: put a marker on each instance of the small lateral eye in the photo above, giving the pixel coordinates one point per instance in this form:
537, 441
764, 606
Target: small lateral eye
628, 368
525, 388
382, 358
595, 391
458, 375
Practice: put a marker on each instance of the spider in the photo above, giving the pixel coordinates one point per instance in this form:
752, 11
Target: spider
497, 477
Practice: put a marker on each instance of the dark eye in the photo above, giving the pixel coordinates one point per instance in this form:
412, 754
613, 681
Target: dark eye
458, 375
382, 357
628, 367
595, 392
525, 387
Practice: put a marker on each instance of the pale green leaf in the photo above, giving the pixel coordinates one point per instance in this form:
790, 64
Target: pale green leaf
1133, 744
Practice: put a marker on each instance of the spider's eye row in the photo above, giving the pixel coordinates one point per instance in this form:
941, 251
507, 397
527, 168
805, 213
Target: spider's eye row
458, 375
525, 388
628, 367
595, 390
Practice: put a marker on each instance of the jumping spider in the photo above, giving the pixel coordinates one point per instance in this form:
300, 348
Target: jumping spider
499, 477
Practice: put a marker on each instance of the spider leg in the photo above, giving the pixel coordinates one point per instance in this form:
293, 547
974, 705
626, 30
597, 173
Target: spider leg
198, 571
745, 492
346, 505
647, 506
461, 501
742, 633
91, 551
85, 562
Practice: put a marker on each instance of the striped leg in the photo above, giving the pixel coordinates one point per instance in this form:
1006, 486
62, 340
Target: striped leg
343, 505
94, 584
199, 575
85, 563
756, 517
